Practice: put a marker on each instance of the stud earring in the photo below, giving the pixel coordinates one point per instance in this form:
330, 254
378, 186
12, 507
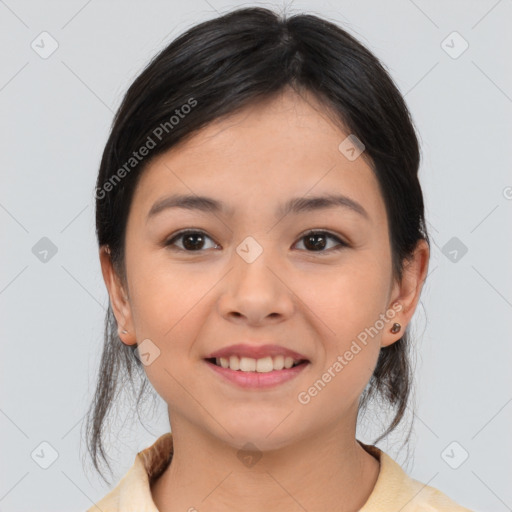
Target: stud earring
124, 332
396, 328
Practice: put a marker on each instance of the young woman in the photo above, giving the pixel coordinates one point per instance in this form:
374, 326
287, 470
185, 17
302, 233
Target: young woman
262, 238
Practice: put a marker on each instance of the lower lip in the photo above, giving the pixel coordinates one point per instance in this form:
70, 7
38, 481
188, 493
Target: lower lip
258, 380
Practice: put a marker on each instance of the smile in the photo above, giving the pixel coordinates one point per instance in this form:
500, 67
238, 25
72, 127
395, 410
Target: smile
266, 372
261, 365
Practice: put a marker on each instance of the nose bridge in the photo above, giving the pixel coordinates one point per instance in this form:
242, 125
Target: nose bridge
253, 287
252, 259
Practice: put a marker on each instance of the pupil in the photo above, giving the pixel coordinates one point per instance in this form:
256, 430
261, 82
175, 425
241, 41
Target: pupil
310, 238
190, 237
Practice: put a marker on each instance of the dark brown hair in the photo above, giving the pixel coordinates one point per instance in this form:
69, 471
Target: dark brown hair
217, 68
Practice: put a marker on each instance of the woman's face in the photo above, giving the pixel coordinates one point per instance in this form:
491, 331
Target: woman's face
252, 276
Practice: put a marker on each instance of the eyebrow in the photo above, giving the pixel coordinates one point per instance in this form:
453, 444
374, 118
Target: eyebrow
295, 205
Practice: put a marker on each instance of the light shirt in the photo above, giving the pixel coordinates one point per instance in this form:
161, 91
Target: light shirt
394, 490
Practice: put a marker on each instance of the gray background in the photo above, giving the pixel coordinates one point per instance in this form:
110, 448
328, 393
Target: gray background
56, 113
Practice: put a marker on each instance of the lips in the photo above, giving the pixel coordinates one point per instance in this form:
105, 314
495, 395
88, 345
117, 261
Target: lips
256, 352
260, 379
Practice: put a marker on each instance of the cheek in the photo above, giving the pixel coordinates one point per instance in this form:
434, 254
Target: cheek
170, 314
169, 307
164, 296
348, 298
347, 304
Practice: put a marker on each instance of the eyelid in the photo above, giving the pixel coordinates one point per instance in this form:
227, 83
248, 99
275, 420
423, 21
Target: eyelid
315, 231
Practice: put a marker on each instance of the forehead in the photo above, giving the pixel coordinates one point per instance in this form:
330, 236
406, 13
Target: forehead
260, 156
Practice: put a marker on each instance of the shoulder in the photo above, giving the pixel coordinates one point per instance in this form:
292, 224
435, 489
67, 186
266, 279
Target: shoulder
133, 492
396, 490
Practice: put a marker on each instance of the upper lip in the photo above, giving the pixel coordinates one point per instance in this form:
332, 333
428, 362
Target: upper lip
256, 352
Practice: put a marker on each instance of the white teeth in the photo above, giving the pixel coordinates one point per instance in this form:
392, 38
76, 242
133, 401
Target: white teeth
248, 364
278, 362
264, 365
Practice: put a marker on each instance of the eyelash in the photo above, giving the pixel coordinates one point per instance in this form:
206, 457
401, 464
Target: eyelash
181, 234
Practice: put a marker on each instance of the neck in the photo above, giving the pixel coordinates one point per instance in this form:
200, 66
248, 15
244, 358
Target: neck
328, 471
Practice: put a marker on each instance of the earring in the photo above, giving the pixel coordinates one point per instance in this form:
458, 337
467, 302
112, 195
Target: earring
396, 328
124, 332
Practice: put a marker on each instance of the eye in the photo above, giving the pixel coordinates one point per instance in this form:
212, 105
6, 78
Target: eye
193, 240
317, 241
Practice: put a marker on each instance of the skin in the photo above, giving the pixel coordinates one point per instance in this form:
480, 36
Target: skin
314, 302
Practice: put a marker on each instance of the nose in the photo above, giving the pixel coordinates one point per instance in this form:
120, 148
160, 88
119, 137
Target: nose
256, 292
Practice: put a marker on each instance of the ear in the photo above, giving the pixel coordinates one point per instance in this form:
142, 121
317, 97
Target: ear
118, 298
406, 294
